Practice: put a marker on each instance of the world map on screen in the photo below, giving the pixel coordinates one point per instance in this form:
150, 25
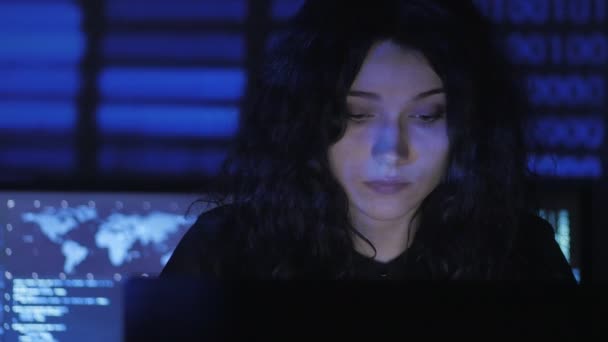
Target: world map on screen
119, 236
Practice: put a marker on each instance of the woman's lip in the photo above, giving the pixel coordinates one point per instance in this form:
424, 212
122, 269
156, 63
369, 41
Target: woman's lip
386, 187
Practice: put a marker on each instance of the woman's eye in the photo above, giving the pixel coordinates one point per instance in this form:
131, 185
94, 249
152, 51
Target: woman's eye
359, 117
429, 118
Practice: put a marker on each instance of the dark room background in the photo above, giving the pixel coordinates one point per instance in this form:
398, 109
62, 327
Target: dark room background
141, 98
126, 93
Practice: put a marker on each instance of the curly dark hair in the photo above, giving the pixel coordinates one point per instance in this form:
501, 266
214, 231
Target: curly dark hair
289, 215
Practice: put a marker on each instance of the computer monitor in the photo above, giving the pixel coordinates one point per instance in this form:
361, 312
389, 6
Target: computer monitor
66, 254
565, 211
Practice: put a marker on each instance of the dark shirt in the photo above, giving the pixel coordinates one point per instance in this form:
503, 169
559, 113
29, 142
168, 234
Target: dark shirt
535, 256
367, 309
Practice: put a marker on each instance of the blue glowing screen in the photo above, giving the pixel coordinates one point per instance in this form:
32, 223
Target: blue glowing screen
66, 256
180, 70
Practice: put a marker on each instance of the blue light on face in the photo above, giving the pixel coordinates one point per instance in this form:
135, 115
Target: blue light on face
59, 15
228, 47
36, 47
39, 116
175, 84
167, 121
61, 81
165, 10
154, 161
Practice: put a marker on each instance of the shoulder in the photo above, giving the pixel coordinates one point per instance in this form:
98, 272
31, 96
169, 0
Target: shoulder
208, 225
534, 230
193, 254
536, 254
210, 220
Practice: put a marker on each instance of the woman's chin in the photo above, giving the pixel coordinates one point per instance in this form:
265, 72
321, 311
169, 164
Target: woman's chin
385, 213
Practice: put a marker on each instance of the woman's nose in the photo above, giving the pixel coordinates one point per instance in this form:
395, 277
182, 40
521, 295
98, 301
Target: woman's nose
391, 146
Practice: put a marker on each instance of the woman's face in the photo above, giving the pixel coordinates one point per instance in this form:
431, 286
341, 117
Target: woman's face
394, 151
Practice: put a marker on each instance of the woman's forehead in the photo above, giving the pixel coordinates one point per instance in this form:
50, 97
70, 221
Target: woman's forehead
389, 68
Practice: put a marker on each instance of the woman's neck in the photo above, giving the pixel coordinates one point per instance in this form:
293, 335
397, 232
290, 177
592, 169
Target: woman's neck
390, 238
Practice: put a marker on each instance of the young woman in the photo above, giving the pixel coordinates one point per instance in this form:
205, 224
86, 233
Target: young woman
384, 141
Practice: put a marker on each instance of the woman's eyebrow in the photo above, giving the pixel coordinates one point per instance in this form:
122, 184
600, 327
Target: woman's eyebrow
374, 96
429, 93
